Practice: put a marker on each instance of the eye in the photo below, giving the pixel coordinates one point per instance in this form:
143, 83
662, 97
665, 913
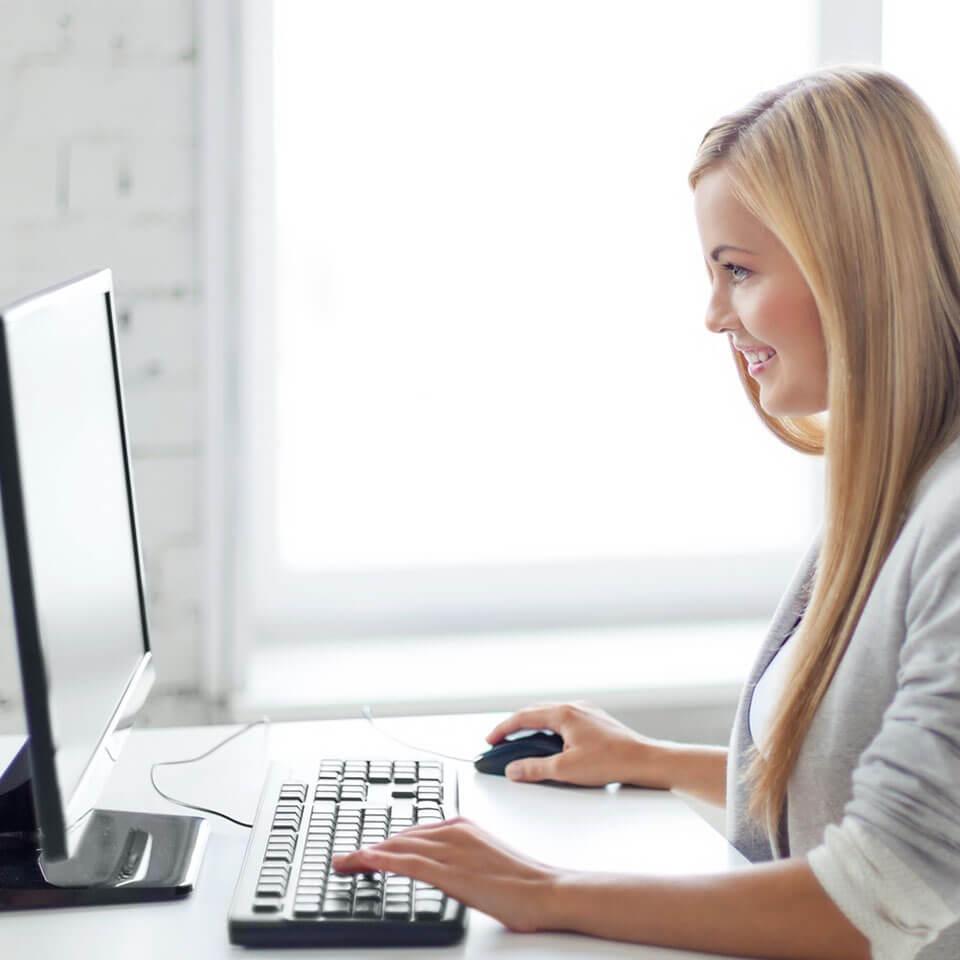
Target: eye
731, 267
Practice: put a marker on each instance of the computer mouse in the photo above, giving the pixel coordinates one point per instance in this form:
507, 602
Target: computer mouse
518, 746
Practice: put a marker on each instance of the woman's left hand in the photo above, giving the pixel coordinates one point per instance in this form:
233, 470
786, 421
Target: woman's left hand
468, 864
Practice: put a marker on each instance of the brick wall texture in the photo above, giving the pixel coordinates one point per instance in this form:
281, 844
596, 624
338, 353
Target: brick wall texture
99, 168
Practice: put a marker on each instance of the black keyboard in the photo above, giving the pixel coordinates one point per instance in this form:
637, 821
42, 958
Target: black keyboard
288, 892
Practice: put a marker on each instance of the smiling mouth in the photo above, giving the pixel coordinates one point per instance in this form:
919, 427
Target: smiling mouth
756, 368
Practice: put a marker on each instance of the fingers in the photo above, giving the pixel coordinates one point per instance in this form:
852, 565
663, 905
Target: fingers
428, 840
549, 715
534, 768
358, 861
373, 859
409, 844
405, 843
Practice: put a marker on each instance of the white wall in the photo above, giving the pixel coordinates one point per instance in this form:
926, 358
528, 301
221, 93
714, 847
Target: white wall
99, 155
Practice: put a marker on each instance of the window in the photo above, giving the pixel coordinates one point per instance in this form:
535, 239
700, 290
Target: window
484, 393
918, 42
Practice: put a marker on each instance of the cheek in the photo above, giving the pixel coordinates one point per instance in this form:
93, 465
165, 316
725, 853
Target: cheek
785, 319
762, 312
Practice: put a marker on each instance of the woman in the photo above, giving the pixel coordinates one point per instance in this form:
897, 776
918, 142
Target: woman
829, 216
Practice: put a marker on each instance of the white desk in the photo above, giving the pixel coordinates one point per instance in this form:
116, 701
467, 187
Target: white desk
629, 830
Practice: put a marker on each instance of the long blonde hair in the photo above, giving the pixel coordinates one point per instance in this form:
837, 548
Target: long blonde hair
849, 169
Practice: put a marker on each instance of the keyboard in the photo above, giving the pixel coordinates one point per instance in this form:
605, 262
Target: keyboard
288, 893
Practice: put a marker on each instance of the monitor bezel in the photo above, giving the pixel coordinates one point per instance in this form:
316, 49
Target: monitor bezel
62, 820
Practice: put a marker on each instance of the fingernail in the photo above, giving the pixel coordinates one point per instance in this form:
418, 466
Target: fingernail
513, 772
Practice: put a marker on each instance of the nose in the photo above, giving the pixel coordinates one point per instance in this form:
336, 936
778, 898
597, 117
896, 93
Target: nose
720, 318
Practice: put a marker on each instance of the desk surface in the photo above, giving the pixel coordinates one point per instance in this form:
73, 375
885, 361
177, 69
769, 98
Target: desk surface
613, 829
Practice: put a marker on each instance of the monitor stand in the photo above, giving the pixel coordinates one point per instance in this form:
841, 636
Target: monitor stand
124, 856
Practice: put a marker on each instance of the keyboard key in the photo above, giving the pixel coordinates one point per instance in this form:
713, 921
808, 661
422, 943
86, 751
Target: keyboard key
271, 889
336, 906
429, 909
278, 855
281, 841
427, 892
305, 893
266, 906
340, 882
396, 909
309, 883
307, 909
367, 908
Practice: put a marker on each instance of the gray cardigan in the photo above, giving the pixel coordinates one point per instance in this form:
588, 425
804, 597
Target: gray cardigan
884, 746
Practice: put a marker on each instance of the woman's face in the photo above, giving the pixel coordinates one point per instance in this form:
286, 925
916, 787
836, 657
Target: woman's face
760, 299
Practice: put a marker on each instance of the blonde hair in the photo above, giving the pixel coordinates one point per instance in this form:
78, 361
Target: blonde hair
849, 169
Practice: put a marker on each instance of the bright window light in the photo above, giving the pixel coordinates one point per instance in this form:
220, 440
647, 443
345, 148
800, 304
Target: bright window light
490, 343
919, 41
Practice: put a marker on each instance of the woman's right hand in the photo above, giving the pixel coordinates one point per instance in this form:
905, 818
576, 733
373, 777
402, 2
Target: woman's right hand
597, 749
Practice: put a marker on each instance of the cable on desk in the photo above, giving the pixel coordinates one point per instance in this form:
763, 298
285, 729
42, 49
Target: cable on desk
368, 714
213, 749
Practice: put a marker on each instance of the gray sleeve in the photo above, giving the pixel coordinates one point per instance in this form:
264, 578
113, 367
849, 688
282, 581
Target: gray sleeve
884, 899
906, 786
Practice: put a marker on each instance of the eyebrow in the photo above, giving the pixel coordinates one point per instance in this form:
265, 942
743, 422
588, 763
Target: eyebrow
725, 246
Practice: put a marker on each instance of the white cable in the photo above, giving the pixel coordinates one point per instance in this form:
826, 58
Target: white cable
368, 714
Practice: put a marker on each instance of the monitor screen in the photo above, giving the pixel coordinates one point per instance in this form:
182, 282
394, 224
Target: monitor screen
75, 564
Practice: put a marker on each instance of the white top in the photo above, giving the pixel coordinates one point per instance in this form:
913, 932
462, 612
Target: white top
767, 692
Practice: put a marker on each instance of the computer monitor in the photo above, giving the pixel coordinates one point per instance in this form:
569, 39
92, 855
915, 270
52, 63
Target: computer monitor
77, 589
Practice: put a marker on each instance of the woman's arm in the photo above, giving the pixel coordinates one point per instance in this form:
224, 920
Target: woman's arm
770, 910
773, 910
698, 770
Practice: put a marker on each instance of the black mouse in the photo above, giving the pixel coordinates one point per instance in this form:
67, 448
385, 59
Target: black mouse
518, 746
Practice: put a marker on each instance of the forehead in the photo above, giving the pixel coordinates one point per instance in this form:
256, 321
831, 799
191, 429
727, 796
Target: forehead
721, 217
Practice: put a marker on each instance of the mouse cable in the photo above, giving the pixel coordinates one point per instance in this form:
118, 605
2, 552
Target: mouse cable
174, 763
368, 714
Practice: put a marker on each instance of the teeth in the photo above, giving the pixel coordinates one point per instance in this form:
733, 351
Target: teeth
758, 356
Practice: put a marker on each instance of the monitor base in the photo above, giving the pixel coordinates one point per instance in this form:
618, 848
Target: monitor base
124, 857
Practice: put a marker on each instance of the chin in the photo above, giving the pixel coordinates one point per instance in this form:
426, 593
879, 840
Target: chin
775, 407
